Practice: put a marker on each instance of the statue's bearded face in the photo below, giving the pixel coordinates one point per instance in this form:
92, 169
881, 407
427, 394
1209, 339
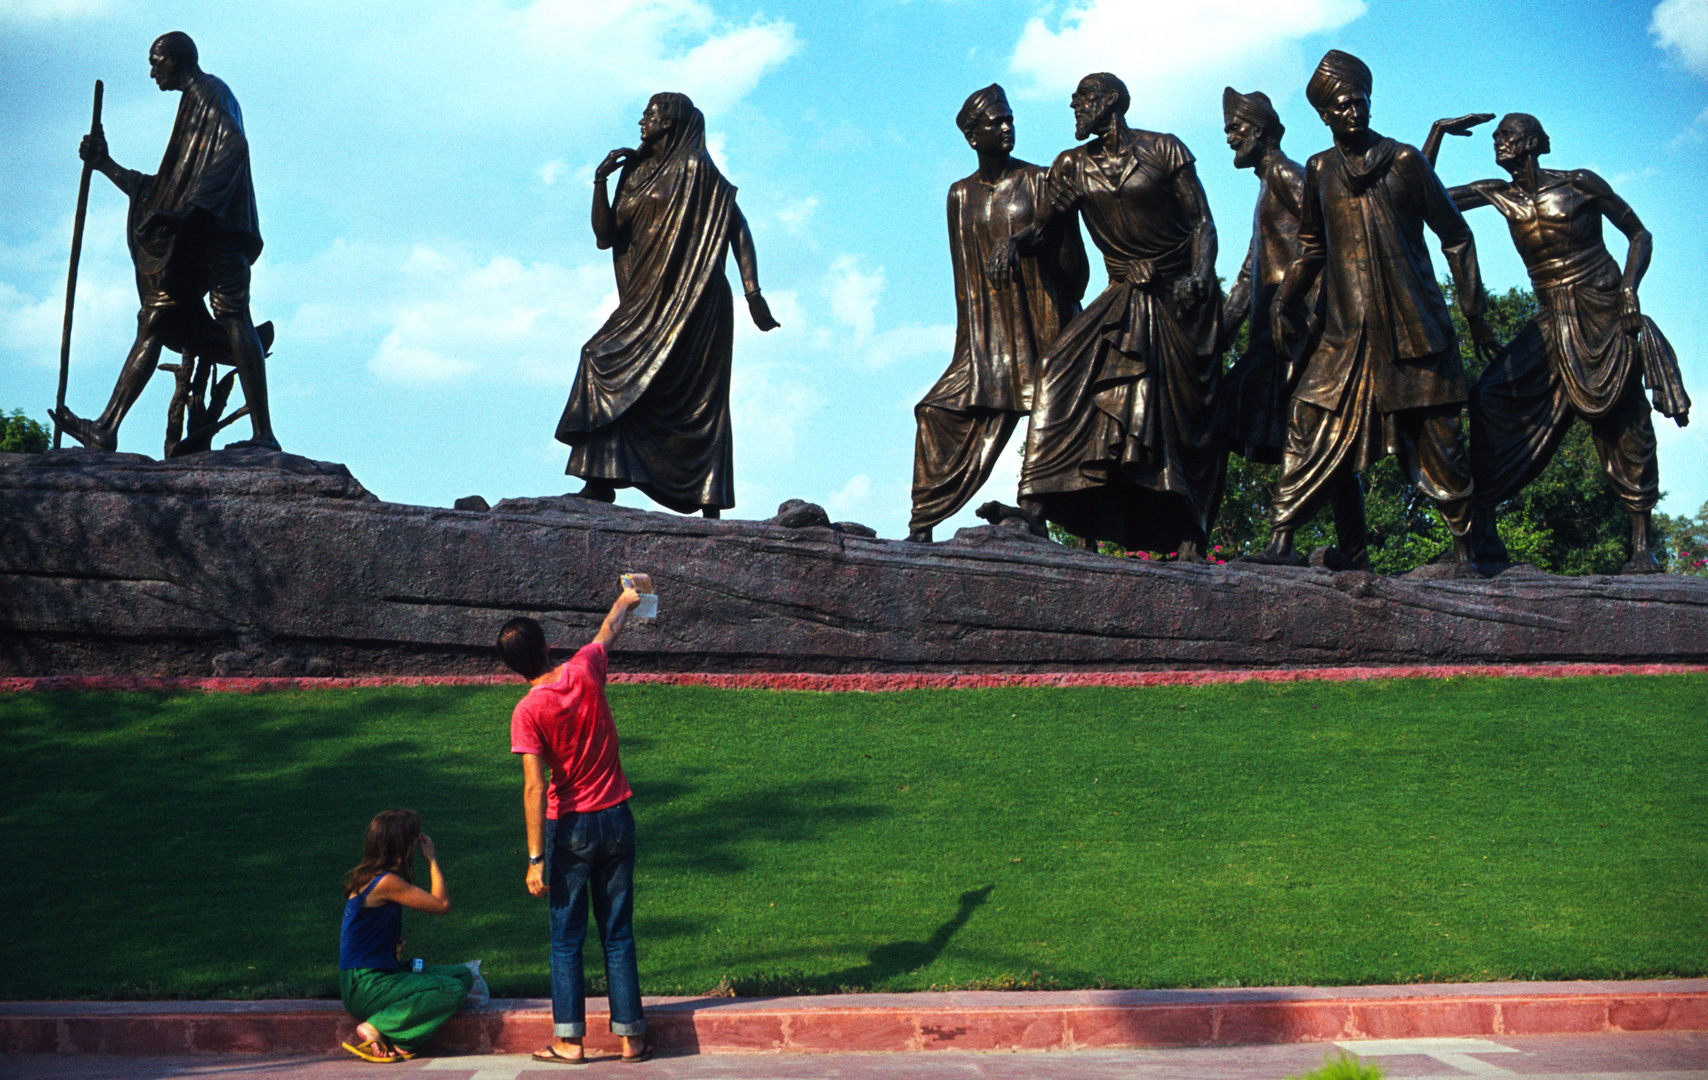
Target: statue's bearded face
1245, 139
1093, 105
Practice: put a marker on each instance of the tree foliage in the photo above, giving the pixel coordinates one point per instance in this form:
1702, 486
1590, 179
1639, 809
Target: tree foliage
1566, 521
21, 435
1681, 543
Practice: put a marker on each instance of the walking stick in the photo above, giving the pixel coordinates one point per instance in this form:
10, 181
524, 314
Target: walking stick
71, 277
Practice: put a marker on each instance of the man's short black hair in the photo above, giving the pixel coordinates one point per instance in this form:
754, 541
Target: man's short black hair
522, 644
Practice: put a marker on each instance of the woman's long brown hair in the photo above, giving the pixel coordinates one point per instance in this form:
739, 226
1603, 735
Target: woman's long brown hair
389, 849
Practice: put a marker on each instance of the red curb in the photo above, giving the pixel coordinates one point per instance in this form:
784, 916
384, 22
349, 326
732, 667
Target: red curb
901, 1023
863, 683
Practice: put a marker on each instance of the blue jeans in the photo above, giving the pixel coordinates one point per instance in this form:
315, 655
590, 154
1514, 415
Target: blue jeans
593, 854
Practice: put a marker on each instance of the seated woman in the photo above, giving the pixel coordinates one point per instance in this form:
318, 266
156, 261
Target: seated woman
396, 1010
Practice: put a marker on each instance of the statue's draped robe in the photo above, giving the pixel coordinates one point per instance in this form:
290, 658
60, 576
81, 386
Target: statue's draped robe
1573, 359
1121, 445
198, 209
1385, 378
1252, 398
965, 420
650, 404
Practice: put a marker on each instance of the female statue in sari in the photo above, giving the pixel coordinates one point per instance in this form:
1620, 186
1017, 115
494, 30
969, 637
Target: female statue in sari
650, 404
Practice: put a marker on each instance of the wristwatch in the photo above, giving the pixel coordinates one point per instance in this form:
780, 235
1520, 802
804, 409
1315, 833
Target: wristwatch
535, 860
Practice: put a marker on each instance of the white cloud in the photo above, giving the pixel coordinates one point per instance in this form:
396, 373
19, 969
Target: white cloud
436, 314
796, 216
28, 11
632, 48
1681, 28
1171, 55
854, 294
850, 499
32, 300
550, 171
930, 345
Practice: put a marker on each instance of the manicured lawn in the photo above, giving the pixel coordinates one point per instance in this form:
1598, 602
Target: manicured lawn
1329, 833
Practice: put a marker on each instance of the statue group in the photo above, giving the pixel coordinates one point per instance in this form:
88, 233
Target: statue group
1352, 354
1351, 357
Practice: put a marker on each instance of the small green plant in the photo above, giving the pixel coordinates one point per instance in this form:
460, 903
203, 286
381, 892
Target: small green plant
1344, 1067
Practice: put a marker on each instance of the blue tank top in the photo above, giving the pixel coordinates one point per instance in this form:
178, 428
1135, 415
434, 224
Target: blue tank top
369, 936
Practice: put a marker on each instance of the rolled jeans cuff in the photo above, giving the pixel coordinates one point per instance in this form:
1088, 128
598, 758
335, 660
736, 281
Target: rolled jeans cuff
578, 1031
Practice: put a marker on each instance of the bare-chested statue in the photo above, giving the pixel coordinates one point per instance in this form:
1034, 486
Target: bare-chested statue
1255, 393
193, 232
1585, 353
1385, 376
966, 419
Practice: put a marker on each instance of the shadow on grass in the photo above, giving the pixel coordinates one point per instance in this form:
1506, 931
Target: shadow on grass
883, 963
193, 845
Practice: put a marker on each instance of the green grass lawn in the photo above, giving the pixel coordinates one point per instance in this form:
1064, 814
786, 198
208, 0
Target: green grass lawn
190, 844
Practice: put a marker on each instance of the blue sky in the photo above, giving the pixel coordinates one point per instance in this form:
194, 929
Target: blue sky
423, 175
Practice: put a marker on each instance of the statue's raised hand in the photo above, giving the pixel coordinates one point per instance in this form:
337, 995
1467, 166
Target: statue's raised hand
612, 162
1462, 125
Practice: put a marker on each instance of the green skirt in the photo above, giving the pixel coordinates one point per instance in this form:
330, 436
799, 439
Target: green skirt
405, 1007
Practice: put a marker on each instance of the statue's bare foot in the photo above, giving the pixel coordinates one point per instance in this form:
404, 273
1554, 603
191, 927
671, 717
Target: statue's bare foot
598, 491
1643, 561
996, 512
259, 443
87, 432
711, 513
919, 536
1191, 552
1274, 557
1464, 566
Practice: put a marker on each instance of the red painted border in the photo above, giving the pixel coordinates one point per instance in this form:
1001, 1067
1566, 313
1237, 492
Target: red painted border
900, 1023
864, 683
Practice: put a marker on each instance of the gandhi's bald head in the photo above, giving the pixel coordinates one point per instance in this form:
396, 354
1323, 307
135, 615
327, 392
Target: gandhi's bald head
171, 59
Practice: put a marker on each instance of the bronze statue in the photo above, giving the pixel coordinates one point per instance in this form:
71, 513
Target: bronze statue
650, 405
1585, 353
1122, 445
1255, 392
193, 232
966, 419
1385, 377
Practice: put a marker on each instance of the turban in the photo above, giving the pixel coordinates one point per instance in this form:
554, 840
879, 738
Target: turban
1254, 108
1337, 70
976, 104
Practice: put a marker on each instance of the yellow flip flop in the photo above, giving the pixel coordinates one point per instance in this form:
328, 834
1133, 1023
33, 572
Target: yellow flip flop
362, 1053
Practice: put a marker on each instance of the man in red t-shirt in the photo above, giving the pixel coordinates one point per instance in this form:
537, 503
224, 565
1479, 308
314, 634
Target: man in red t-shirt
574, 794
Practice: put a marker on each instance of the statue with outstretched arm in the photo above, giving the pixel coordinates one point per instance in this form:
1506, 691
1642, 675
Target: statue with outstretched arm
193, 232
1585, 353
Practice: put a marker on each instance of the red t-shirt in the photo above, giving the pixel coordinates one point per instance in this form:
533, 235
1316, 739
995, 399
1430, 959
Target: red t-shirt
568, 723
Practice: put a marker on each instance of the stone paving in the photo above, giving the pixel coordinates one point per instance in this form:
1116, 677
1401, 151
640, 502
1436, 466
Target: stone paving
1603, 1056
